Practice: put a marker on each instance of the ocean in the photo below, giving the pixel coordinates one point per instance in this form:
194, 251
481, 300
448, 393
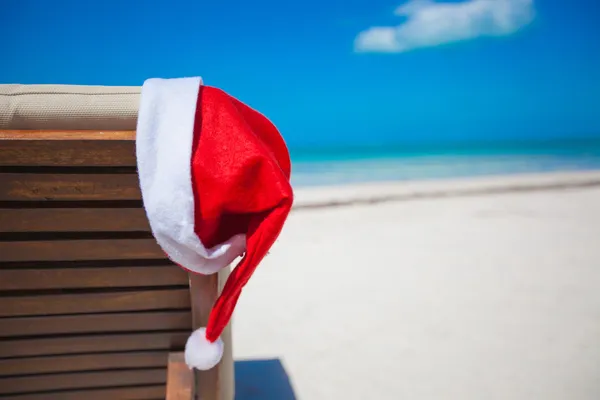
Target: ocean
334, 166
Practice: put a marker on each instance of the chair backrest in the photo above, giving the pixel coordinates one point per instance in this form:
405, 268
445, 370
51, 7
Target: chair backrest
90, 307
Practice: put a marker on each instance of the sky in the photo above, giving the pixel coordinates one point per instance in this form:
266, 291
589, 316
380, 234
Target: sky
336, 72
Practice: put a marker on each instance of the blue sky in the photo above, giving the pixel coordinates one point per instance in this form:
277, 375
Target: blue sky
336, 72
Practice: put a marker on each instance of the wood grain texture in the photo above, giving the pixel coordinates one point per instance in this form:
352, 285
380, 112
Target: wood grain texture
67, 187
82, 362
204, 291
100, 343
12, 306
74, 250
96, 323
67, 346
79, 278
81, 380
67, 148
226, 367
151, 392
73, 220
180, 379
65, 135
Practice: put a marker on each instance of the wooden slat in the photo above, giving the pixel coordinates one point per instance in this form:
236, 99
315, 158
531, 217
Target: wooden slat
93, 344
180, 380
34, 135
82, 362
67, 148
81, 380
12, 306
204, 291
73, 220
74, 250
95, 323
48, 187
110, 277
154, 392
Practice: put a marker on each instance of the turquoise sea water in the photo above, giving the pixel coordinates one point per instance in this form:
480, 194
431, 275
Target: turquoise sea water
313, 167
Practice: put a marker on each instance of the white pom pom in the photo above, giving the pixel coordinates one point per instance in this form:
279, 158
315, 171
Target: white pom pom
200, 353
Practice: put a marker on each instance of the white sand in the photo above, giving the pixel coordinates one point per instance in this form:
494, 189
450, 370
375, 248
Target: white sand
480, 297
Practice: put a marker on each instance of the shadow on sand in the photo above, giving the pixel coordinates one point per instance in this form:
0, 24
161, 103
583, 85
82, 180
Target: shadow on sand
262, 380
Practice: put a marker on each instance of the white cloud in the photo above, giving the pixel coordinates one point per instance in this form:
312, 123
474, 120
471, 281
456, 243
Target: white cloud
430, 23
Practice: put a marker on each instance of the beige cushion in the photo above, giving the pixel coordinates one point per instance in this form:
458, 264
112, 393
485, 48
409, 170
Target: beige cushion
68, 107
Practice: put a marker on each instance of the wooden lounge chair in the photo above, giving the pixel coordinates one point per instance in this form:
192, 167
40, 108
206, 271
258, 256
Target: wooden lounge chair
90, 307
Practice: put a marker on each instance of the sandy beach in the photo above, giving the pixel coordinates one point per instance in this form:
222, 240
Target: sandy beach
485, 288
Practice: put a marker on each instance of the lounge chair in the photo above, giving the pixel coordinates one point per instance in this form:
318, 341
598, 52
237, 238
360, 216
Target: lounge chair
90, 307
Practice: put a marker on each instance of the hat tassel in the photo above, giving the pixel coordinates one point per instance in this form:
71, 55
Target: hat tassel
201, 353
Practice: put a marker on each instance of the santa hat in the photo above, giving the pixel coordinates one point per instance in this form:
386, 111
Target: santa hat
215, 182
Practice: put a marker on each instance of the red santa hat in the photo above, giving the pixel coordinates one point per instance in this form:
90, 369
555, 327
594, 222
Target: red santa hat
215, 182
